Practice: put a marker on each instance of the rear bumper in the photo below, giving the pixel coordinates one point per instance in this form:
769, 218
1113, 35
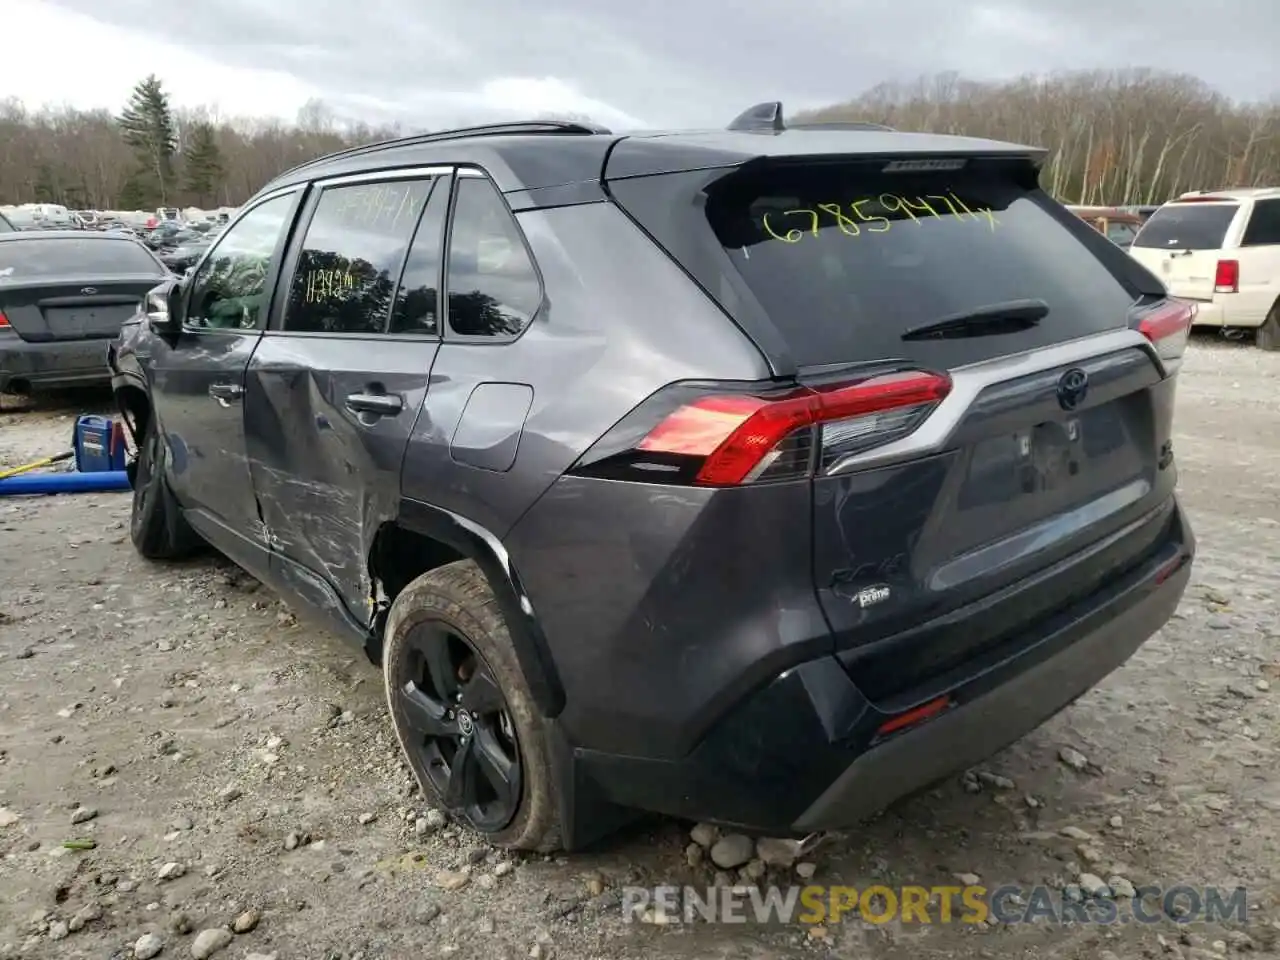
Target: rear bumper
1209, 314
803, 754
58, 363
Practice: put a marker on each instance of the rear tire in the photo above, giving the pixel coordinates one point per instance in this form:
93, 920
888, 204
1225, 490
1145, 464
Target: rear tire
156, 525
1268, 335
449, 619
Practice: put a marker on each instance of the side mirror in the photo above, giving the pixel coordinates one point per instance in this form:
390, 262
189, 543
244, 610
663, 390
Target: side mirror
164, 307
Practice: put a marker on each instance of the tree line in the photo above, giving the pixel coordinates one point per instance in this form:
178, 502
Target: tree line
1121, 137
1115, 137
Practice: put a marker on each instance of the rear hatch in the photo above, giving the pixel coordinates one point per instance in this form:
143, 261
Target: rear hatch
1182, 244
990, 426
59, 288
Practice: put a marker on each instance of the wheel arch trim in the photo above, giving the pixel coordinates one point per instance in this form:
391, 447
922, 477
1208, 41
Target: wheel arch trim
487, 551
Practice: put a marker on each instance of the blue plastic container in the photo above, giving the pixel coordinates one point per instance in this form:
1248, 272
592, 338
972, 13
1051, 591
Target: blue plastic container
99, 445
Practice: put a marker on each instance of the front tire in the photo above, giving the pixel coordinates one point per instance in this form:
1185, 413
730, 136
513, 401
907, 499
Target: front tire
156, 525
1268, 335
463, 712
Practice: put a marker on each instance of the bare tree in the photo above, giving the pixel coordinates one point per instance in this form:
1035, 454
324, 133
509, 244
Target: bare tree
1119, 137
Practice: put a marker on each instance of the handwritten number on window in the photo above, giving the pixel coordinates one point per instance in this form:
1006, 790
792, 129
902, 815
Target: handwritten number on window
852, 220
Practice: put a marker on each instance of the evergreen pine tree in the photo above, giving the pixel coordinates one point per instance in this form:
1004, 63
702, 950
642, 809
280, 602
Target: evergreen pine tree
146, 124
202, 163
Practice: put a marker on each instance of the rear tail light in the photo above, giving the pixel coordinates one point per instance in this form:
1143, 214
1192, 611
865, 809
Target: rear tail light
4, 321
721, 437
1168, 327
1226, 279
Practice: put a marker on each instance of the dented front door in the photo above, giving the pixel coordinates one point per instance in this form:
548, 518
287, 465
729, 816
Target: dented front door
336, 383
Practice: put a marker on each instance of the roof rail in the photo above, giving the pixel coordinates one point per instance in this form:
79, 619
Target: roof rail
767, 118
511, 128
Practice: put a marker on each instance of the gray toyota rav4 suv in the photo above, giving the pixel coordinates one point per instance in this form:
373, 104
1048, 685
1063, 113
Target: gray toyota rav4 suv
760, 475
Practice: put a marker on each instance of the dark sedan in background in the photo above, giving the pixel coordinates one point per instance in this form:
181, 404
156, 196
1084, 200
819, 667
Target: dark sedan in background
63, 297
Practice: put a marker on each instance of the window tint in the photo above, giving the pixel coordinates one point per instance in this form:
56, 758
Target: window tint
72, 257
351, 254
1264, 224
493, 288
230, 291
417, 304
846, 259
1187, 226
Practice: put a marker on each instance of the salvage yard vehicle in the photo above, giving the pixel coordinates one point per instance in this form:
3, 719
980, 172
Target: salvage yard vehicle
1117, 225
63, 298
1220, 249
760, 475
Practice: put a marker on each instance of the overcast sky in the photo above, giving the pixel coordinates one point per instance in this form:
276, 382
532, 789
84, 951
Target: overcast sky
626, 63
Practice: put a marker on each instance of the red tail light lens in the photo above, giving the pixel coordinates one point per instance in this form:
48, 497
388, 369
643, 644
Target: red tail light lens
4, 321
1226, 279
716, 439
1168, 327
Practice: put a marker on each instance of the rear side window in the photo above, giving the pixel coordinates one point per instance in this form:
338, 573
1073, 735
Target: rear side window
417, 306
493, 288
1264, 224
351, 256
847, 258
43, 257
1188, 226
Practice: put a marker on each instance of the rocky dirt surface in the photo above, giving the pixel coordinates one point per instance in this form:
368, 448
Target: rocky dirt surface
187, 771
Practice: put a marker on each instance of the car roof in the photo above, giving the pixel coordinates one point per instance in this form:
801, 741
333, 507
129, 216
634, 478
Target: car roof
64, 235
532, 155
1228, 195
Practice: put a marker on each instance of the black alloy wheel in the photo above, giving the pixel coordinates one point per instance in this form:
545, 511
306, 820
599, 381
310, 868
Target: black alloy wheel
459, 725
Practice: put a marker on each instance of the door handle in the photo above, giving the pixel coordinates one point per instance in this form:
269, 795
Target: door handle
378, 404
226, 393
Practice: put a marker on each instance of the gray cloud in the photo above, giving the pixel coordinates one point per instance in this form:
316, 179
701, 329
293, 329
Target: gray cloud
695, 62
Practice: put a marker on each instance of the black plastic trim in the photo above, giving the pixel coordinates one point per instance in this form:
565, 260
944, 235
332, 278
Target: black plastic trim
480, 545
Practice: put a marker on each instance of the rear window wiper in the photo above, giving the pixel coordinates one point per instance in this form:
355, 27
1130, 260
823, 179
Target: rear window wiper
1008, 317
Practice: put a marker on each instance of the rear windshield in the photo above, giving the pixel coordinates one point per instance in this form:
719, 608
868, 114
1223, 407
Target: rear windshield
1187, 226
846, 259
27, 259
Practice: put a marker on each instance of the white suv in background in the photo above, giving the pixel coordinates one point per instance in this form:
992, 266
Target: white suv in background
1220, 248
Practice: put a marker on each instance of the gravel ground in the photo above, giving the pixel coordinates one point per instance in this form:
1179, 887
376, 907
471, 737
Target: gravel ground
234, 769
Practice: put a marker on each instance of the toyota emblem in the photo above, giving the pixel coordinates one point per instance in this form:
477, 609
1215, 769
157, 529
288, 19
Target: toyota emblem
88, 291
1072, 388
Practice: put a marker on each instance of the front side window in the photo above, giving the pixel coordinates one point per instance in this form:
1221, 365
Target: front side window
230, 291
351, 256
492, 286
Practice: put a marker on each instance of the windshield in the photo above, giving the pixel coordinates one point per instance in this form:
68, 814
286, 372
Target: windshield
43, 257
1187, 226
846, 259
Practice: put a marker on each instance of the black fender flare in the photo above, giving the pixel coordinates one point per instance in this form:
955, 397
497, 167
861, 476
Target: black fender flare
484, 548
